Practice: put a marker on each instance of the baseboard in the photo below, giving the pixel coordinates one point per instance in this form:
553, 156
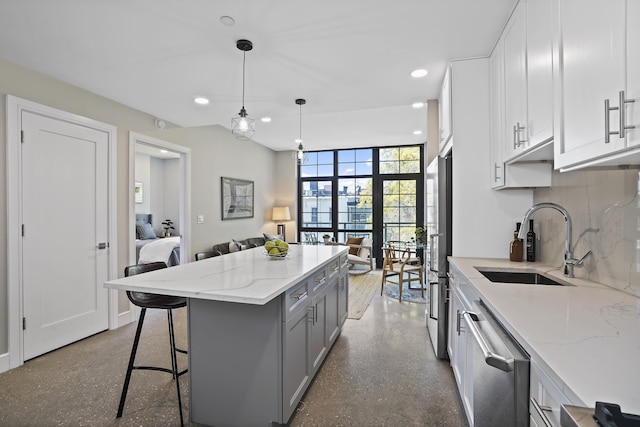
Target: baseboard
4, 362
126, 318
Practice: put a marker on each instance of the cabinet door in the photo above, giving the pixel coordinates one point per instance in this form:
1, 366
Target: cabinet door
319, 340
296, 369
445, 111
589, 69
539, 71
496, 69
343, 298
632, 110
515, 83
333, 316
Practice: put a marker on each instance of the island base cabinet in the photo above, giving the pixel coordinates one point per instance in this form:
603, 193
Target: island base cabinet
235, 374
296, 374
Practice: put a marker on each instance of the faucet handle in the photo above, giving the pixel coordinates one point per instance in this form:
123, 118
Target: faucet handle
577, 262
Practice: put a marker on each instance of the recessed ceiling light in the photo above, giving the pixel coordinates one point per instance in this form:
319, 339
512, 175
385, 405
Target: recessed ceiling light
417, 105
417, 132
266, 119
164, 151
201, 100
227, 20
419, 73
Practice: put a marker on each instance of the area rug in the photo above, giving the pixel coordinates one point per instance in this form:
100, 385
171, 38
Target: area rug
408, 295
362, 287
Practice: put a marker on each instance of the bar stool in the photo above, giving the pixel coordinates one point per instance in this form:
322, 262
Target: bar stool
146, 300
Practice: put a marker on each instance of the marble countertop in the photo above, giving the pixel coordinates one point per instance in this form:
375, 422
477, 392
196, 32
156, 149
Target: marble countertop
248, 276
586, 337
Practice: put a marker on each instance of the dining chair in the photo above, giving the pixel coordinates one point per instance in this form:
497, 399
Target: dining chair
404, 264
144, 301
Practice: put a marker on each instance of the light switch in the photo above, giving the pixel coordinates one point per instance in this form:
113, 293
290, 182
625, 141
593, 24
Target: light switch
200, 219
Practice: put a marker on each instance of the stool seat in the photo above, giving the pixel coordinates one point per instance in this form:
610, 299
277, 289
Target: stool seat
143, 299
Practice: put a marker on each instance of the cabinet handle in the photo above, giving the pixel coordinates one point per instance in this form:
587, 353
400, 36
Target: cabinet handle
623, 124
313, 314
320, 281
495, 171
517, 142
607, 124
300, 296
458, 321
540, 410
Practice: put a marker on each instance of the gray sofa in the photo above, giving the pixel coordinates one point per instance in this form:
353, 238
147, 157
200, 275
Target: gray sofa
251, 242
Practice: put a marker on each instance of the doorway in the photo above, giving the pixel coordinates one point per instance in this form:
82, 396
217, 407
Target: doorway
61, 228
166, 168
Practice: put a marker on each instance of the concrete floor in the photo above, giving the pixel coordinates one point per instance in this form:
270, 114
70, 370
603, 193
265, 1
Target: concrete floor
381, 371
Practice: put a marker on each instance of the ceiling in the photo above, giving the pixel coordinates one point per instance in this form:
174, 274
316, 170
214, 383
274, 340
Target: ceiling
350, 59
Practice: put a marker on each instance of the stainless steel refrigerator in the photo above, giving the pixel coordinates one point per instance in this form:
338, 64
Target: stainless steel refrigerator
438, 212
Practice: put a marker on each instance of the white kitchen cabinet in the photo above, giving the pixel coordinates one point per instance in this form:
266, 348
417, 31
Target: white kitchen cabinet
514, 174
444, 105
539, 74
545, 398
596, 60
496, 98
460, 345
515, 82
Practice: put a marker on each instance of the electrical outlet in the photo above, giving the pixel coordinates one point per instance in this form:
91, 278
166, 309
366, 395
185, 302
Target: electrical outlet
200, 219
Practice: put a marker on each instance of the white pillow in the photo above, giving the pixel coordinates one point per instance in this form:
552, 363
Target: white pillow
364, 252
233, 247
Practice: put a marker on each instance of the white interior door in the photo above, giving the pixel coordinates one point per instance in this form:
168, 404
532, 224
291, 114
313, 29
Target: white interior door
65, 217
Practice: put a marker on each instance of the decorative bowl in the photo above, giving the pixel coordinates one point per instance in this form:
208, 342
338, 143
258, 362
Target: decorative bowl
277, 252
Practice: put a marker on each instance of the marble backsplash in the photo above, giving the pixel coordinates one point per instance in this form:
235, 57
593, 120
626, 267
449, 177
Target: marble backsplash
605, 208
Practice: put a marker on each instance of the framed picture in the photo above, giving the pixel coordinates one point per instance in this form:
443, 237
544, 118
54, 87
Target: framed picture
138, 192
237, 198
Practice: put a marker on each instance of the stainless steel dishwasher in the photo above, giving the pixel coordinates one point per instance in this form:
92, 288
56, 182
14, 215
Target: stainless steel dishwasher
500, 372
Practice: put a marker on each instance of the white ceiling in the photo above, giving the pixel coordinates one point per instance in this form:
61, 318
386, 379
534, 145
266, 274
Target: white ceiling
350, 59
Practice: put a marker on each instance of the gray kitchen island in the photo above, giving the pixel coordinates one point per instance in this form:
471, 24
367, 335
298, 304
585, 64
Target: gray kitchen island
258, 328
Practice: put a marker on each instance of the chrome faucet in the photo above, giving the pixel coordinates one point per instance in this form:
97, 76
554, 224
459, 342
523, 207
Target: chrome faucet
569, 261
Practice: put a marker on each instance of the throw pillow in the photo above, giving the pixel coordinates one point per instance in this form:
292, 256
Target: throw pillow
235, 246
139, 231
354, 241
241, 246
148, 232
273, 237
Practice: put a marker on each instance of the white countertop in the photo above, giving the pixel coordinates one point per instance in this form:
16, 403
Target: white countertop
586, 337
246, 277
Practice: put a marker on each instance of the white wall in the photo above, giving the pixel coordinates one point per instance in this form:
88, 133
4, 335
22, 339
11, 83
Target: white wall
483, 219
215, 153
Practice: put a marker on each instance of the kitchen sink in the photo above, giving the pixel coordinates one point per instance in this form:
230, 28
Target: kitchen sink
521, 277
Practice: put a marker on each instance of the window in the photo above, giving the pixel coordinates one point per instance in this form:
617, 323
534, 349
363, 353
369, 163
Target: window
400, 160
375, 193
316, 204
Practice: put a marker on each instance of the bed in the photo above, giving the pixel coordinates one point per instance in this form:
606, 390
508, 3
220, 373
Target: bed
155, 249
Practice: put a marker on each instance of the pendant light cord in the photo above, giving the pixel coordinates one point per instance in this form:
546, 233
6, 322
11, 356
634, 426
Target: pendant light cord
244, 60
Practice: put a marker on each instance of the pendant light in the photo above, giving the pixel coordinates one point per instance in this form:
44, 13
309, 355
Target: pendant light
300, 154
243, 126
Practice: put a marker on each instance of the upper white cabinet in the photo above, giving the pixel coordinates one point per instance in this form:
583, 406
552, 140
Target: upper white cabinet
521, 121
515, 82
539, 73
596, 74
444, 104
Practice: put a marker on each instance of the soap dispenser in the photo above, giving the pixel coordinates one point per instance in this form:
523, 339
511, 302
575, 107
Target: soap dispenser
516, 247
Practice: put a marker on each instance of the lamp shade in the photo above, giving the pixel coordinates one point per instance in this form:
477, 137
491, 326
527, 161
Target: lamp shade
281, 213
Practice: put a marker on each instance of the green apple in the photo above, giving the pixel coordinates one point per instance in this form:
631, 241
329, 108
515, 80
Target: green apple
274, 251
269, 244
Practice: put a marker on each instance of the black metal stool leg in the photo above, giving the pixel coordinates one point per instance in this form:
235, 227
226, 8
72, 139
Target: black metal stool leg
174, 362
134, 349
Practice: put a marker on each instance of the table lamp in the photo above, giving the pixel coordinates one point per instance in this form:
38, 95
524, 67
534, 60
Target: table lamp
281, 213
